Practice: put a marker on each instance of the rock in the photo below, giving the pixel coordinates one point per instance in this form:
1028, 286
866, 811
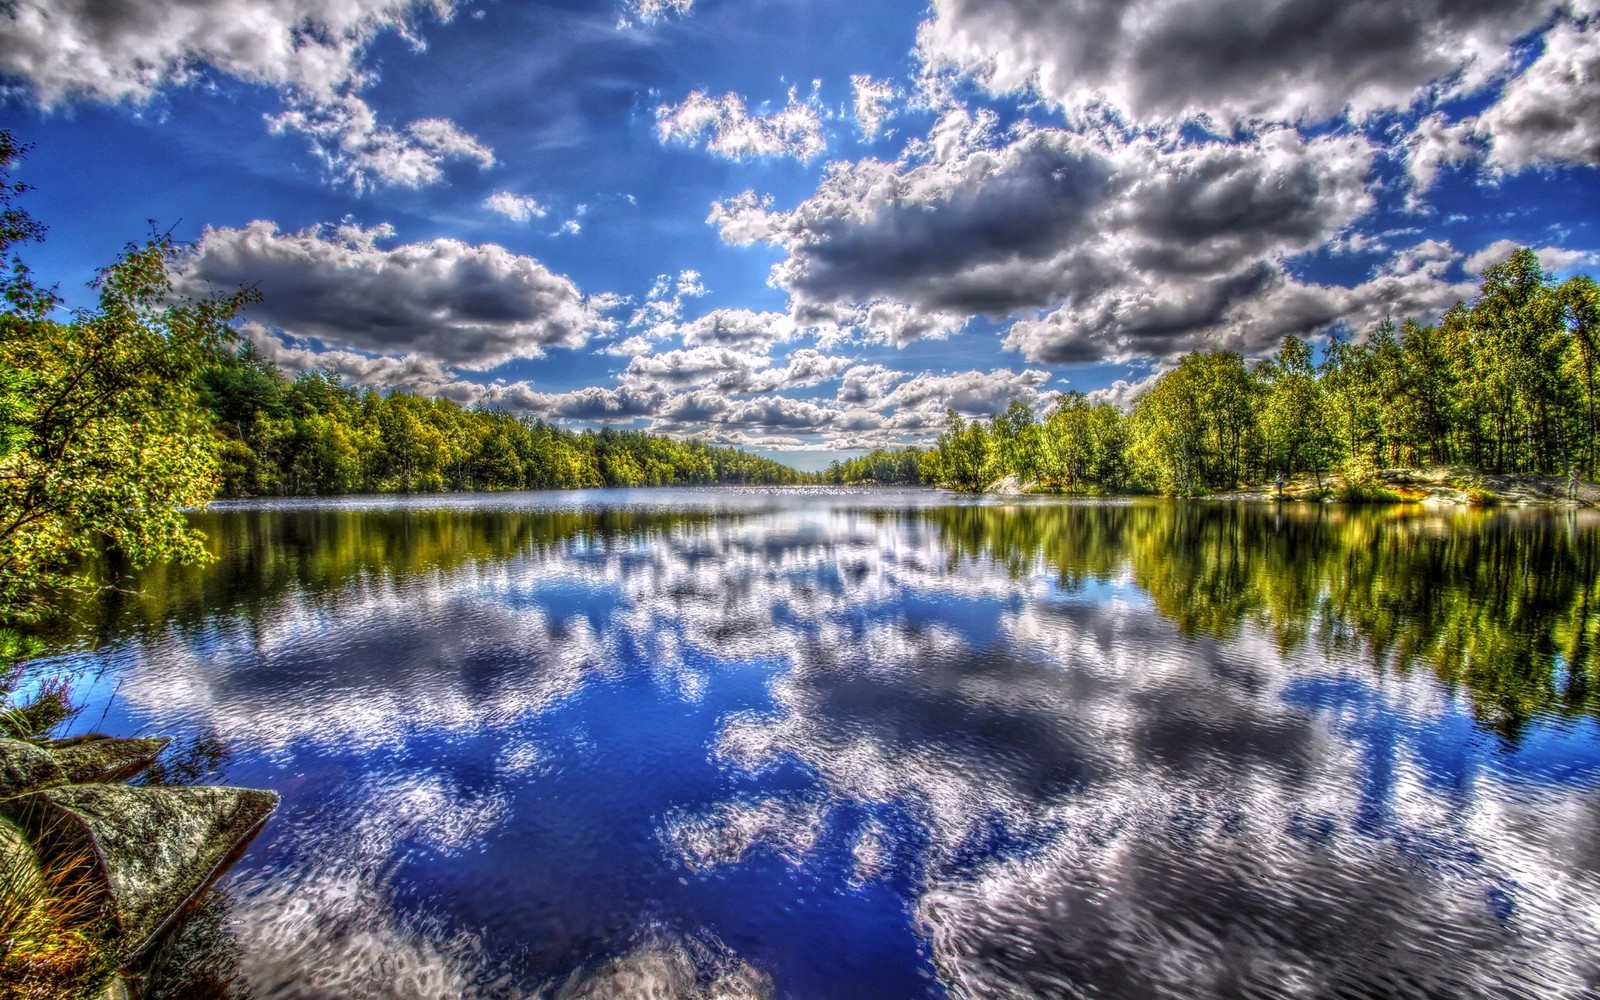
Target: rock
101, 758
151, 850
1010, 486
25, 767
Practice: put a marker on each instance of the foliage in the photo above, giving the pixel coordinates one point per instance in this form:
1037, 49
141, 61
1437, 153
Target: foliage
103, 443
967, 454
1507, 384
882, 467
1196, 428
48, 939
315, 435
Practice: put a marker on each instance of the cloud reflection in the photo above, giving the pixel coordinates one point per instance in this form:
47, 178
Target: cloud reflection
1108, 799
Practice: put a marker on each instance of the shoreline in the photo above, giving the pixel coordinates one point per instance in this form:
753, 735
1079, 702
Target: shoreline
1432, 487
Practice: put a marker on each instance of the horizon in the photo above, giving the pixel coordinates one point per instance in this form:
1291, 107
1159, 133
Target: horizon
804, 230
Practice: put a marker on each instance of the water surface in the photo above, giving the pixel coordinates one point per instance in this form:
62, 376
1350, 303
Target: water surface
835, 744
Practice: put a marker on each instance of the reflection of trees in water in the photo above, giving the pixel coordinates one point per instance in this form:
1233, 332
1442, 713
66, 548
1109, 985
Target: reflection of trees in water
1497, 604
263, 555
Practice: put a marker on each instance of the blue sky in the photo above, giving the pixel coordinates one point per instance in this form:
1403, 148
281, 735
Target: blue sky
805, 227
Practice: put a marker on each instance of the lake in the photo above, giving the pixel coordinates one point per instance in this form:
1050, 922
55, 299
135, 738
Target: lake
879, 744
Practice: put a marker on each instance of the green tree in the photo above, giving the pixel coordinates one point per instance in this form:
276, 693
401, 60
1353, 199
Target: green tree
1581, 299
1196, 427
1294, 413
966, 454
106, 442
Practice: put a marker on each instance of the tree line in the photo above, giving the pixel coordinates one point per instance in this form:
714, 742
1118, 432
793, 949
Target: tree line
118, 418
315, 435
1504, 384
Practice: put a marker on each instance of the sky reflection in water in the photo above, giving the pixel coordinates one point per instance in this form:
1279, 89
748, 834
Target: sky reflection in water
887, 745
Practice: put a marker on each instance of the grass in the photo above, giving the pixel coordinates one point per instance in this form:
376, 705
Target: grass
50, 935
33, 721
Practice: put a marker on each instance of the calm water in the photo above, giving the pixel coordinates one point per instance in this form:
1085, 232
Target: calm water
883, 745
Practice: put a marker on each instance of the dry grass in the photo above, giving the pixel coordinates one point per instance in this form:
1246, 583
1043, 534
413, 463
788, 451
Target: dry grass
50, 944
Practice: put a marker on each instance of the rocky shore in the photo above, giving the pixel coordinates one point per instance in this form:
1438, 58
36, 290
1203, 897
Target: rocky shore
93, 870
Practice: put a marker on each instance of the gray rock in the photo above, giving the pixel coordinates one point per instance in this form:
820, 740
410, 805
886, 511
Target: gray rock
25, 767
102, 758
152, 850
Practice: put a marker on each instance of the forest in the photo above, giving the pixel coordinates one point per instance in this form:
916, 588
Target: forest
1503, 384
315, 435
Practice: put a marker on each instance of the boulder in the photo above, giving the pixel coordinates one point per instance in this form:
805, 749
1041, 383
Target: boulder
151, 850
102, 758
25, 767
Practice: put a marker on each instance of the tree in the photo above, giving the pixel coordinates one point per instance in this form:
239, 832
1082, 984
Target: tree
1293, 413
1581, 299
105, 443
966, 452
1196, 427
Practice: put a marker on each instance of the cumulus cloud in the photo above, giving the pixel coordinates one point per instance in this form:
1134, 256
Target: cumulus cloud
1550, 114
516, 207
729, 371
1139, 237
1555, 259
313, 52
594, 403
462, 305
730, 131
1435, 143
1543, 117
356, 148
1288, 60
408, 372
629, 346
872, 101
738, 329
657, 317
1252, 316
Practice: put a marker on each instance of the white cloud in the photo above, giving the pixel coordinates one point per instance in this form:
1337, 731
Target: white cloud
651, 11
408, 372
313, 52
1144, 241
728, 371
355, 148
629, 347
872, 103
973, 393
1550, 115
658, 316
1276, 60
516, 207
795, 131
738, 328
1546, 116
1554, 259
462, 305
1433, 144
